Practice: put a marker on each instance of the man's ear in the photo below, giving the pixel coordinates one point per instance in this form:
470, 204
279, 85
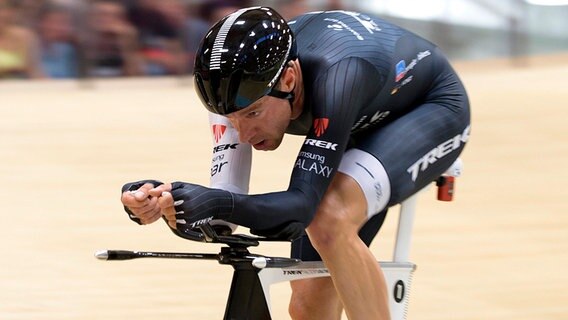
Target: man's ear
288, 78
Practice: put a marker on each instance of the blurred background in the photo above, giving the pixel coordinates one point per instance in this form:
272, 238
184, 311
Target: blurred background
58, 39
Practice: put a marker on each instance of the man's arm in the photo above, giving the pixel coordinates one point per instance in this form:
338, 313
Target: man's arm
231, 160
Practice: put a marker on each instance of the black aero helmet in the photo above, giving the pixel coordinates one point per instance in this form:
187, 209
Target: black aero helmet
241, 58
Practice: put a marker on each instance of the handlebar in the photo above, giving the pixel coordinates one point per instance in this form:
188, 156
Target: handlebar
129, 255
236, 252
221, 234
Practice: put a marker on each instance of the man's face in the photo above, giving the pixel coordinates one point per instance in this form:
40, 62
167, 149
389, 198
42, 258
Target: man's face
263, 123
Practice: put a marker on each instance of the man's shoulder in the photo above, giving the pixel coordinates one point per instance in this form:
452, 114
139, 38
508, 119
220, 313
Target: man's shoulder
341, 19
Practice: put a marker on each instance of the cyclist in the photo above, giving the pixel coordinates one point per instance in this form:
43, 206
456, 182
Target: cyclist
383, 112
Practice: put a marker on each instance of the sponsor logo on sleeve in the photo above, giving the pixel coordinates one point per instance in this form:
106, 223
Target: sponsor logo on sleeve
313, 162
400, 70
320, 125
218, 167
223, 147
218, 161
314, 167
321, 144
218, 132
217, 164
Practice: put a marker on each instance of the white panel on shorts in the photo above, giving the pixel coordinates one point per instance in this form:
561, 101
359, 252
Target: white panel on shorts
371, 177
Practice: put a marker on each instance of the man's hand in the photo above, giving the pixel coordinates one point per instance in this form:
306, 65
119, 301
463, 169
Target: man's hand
166, 203
189, 205
140, 200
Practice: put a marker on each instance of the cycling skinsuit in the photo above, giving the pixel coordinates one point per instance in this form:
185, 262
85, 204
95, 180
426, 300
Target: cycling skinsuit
381, 105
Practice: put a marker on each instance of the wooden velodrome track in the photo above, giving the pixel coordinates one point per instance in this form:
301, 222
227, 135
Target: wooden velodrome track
498, 252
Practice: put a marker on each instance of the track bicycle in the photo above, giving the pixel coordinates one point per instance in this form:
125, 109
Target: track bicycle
253, 274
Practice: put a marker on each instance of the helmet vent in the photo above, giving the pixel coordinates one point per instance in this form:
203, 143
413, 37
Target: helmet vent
222, 36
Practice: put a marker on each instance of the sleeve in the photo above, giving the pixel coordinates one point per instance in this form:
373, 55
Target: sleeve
231, 160
339, 94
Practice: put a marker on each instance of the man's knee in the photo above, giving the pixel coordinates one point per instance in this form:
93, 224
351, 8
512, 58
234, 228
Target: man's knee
340, 214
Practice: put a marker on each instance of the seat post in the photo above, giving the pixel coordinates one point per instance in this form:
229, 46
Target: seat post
407, 213
404, 231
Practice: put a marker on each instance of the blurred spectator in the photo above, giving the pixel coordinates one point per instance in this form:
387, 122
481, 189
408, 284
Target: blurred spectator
335, 5
111, 46
214, 10
160, 25
194, 30
293, 8
29, 12
18, 46
73, 38
59, 52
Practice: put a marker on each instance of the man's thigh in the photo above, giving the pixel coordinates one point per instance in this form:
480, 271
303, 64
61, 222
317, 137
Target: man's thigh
418, 147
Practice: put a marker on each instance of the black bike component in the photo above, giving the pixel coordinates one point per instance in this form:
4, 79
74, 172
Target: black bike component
129, 255
246, 300
206, 233
189, 234
235, 240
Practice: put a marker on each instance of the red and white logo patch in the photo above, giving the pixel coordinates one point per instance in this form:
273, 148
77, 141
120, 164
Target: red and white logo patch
320, 125
218, 132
